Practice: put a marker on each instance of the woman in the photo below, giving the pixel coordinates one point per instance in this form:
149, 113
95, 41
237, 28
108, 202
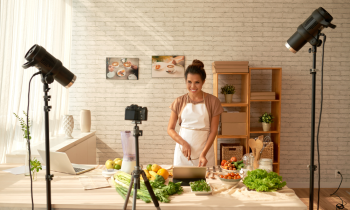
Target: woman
198, 114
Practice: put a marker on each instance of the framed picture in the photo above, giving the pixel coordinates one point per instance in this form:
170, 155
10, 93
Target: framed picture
118, 68
168, 66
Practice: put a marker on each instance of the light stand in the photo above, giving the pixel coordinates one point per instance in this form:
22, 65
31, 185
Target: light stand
313, 167
310, 31
135, 178
51, 69
48, 176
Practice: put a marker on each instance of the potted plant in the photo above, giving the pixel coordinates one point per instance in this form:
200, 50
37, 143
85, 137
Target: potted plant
228, 91
266, 120
26, 135
35, 166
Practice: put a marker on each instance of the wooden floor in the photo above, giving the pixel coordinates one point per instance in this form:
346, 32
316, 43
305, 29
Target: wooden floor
327, 202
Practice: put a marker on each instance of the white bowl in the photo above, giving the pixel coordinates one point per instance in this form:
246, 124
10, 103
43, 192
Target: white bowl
231, 182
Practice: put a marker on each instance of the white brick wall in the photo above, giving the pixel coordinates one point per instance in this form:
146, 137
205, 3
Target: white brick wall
225, 30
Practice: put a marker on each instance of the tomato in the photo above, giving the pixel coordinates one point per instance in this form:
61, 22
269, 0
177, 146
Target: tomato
232, 174
221, 176
238, 176
225, 177
233, 159
223, 162
229, 177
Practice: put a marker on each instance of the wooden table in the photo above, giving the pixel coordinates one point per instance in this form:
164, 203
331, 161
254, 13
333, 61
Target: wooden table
67, 193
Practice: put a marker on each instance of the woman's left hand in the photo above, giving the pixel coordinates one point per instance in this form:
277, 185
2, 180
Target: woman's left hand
202, 161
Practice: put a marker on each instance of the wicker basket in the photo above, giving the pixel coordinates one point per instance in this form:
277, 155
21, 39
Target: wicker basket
268, 150
232, 151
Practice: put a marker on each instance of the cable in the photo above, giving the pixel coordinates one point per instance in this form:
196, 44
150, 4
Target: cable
318, 127
30, 173
339, 205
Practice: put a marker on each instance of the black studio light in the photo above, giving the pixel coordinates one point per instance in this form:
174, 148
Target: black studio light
309, 29
50, 69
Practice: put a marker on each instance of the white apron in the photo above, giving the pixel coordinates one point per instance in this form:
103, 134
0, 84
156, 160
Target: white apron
195, 128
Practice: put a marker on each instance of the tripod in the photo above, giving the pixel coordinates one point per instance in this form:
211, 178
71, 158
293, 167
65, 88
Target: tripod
135, 178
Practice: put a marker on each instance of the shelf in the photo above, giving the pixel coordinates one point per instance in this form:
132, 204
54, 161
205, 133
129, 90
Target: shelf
232, 73
234, 104
265, 68
231, 136
260, 130
265, 100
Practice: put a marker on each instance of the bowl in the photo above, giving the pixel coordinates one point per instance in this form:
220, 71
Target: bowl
232, 182
230, 171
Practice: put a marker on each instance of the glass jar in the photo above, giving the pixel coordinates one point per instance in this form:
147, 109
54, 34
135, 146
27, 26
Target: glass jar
266, 164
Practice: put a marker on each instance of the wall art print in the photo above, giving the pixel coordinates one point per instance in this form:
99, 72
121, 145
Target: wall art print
168, 66
118, 68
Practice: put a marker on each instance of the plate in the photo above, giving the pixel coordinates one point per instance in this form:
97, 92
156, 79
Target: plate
115, 64
121, 73
111, 74
202, 192
161, 66
109, 173
132, 77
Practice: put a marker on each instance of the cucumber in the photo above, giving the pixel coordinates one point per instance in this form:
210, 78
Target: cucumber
239, 162
236, 164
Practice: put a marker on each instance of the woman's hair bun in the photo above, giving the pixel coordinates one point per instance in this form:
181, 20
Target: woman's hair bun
198, 63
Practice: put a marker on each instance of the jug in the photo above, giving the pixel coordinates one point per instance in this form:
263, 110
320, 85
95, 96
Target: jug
129, 157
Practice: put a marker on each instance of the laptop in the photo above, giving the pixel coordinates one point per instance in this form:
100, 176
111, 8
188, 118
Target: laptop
187, 174
60, 162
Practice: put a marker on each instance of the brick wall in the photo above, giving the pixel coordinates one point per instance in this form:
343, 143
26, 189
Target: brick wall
225, 30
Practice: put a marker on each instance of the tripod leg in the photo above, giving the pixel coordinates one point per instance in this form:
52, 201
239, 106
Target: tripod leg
135, 192
129, 192
150, 190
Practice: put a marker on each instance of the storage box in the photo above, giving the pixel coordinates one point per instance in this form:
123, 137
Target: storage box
234, 128
230, 150
234, 117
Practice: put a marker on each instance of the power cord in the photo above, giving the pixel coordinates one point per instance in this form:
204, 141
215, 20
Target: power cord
29, 151
318, 127
339, 205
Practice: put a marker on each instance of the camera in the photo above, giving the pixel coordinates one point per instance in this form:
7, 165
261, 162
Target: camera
136, 113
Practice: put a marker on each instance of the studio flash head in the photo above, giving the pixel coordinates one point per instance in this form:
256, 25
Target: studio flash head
51, 68
309, 30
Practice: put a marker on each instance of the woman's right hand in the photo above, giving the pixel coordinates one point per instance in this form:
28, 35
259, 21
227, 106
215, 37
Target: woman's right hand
186, 150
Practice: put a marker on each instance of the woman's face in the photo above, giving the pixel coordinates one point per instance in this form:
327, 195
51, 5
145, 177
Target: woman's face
194, 83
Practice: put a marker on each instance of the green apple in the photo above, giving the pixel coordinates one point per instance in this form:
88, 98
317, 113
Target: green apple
110, 165
117, 159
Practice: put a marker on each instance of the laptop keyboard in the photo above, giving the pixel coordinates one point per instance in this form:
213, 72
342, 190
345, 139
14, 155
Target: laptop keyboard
77, 170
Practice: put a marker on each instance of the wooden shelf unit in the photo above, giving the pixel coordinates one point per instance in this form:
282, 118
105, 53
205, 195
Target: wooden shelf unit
245, 105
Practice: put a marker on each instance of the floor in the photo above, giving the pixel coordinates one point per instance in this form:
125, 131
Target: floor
327, 202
